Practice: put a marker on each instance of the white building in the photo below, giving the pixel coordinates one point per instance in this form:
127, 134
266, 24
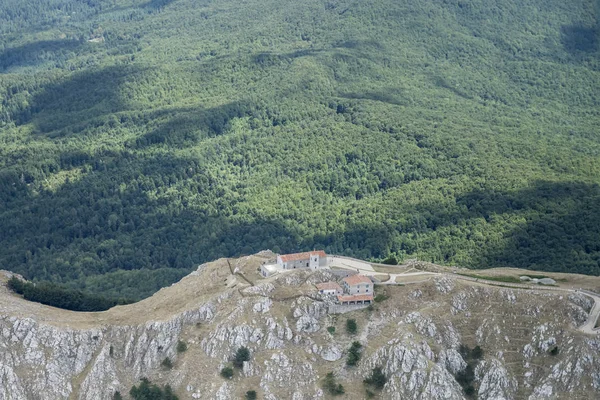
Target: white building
267, 270
357, 284
310, 259
329, 288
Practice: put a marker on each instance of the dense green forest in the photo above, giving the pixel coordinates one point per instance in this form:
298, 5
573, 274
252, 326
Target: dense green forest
140, 138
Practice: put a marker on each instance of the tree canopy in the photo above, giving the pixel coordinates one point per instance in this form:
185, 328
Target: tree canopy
141, 138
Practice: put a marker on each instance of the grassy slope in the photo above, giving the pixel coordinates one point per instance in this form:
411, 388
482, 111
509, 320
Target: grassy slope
464, 132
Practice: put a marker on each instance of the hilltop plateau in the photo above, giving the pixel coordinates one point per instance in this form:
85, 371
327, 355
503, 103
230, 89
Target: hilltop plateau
517, 343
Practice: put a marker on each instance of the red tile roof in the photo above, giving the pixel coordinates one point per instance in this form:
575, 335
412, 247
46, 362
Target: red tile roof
356, 280
302, 256
356, 297
329, 286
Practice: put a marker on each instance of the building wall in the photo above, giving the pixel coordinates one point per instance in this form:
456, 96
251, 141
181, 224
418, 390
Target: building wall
359, 289
313, 262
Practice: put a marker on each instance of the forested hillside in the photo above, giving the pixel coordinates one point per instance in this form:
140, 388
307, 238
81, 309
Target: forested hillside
140, 138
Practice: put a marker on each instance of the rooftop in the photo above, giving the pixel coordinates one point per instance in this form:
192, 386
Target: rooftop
356, 297
329, 286
302, 256
356, 280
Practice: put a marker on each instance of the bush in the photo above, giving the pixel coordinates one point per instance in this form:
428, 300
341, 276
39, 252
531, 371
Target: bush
167, 363
241, 355
554, 351
331, 329
331, 386
251, 395
381, 297
477, 353
351, 326
117, 396
390, 260
354, 354
147, 391
227, 372
16, 285
181, 346
377, 379
54, 295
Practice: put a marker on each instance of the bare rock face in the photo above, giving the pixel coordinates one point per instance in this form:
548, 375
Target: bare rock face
531, 347
495, 381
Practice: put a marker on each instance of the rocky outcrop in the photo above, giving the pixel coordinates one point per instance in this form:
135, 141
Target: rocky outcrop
530, 346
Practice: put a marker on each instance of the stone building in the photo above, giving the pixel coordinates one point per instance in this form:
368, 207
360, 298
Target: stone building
309, 259
329, 288
357, 284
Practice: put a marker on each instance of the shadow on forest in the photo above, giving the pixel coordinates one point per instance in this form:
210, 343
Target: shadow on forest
561, 229
157, 4
390, 96
579, 39
582, 38
82, 97
185, 127
32, 54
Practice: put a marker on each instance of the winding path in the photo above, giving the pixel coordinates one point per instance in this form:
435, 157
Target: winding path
365, 268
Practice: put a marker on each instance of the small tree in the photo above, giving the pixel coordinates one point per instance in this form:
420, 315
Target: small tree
241, 355
117, 396
331, 329
354, 354
251, 395
227, 372
554, 351
181, 346
351, 326
477, 353
331, 386
167, 363
377, 379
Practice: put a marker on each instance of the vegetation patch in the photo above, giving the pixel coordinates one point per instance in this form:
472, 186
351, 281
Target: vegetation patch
61, 297
354, 354
149, 391
242, 354
466, 377
351, 326
331, 386
376, 380
506, 279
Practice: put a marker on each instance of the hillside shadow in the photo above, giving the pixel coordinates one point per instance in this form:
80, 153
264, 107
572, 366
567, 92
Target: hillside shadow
118, 217
155, 5
561, 232
577, 39
184, 127
389, 96
68, 106
32, 54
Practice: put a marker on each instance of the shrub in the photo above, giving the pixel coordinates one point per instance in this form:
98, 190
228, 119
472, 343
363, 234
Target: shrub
167, 363
390, 260
381, 297
117, 396
227, 372
16, 285
181, 346
377, 379
331, 329
331, 386
477, 353
554, 351
241, 355
147, 390
354, 354
351, 326
251, 395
